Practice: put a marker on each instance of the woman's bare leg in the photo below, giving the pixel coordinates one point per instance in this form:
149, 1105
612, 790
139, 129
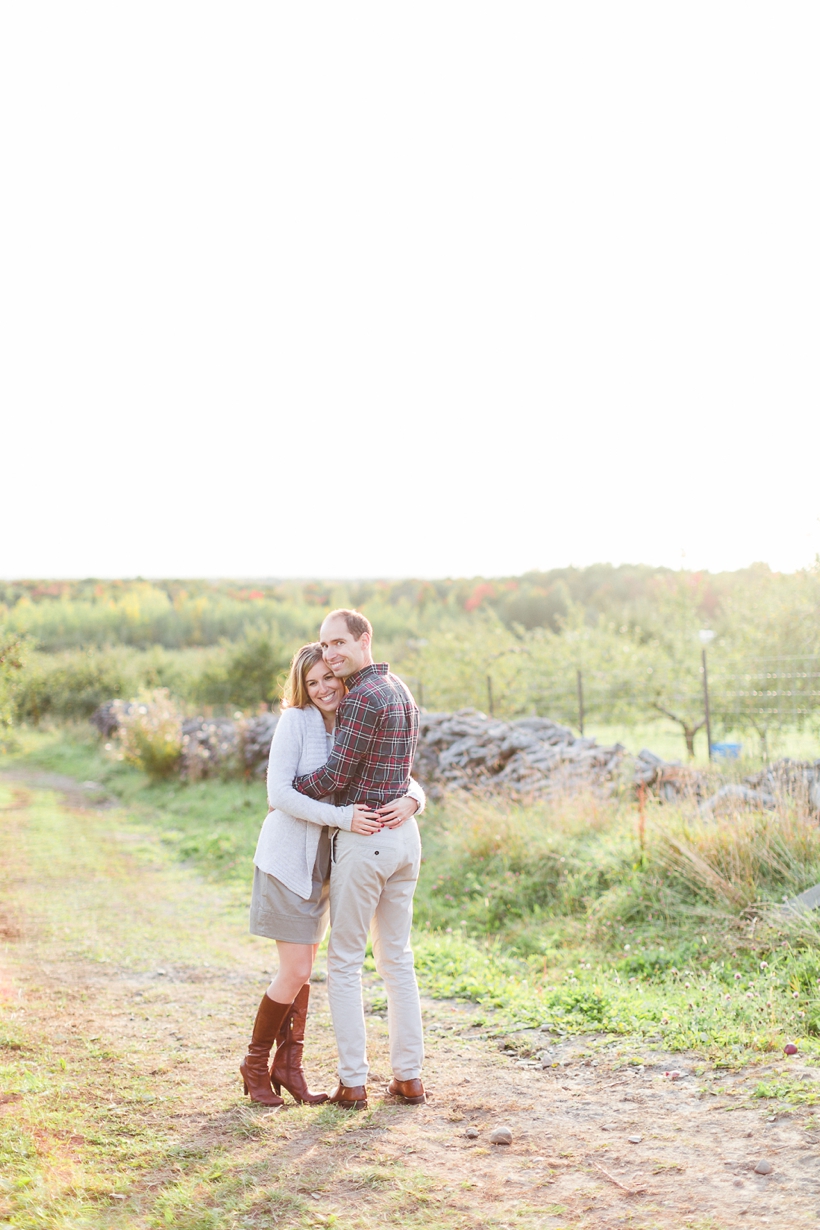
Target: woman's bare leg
295, 966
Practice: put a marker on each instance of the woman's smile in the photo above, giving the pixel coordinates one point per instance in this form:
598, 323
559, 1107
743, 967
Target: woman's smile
323, 688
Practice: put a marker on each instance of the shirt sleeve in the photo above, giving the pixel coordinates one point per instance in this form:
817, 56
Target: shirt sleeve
284, 758
415, 791
357, 725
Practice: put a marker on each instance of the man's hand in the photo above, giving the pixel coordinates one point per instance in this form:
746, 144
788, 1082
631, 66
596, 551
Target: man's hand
365, 821
394, 814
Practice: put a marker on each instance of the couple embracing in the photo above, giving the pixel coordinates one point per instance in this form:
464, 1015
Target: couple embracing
340, 844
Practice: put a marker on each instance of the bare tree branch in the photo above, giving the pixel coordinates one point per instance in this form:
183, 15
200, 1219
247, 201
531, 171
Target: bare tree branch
681, 721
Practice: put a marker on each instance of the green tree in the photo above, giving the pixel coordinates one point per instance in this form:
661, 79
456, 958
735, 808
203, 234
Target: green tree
672, 653
766, 671
12, 661
452, 666
251, 672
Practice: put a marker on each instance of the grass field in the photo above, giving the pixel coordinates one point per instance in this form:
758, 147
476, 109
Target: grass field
554, 955
553, 913
665, 739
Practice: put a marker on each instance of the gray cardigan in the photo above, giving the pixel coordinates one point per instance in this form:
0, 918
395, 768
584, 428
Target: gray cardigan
290, 835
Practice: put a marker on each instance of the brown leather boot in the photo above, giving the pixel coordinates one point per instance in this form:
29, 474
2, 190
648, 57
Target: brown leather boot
350, 1098
411, 1091
254, 1067
287, 1067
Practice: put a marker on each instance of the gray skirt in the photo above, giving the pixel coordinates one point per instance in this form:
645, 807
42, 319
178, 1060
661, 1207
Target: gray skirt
280, 914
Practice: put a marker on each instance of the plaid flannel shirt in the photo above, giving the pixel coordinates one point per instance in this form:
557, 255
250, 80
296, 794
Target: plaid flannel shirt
377, 728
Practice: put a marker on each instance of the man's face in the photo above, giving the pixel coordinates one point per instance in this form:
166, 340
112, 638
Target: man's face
343, 654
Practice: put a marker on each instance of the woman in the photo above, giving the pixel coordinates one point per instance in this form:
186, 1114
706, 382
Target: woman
291, 880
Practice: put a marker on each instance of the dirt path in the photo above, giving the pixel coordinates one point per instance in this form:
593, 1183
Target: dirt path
127, 988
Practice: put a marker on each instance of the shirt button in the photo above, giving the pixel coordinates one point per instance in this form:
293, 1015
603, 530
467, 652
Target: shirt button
377, 852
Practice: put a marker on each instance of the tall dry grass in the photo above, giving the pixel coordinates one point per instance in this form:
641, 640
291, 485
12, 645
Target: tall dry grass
743, 859
503, 866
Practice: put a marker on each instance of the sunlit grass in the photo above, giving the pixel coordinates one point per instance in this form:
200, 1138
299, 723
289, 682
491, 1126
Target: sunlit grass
552, 913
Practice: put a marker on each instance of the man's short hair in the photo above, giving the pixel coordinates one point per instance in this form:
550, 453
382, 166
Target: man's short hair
356, 623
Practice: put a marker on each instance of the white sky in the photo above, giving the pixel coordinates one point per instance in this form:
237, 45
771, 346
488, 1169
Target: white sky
436, 288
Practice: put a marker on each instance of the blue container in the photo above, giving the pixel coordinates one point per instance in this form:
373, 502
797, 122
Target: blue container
727, 751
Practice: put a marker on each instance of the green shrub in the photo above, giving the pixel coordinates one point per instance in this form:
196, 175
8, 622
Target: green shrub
246, 674
150, 734
69, 686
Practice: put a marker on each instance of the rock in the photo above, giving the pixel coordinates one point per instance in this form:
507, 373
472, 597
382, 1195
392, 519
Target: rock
634, 1140
807, 900
733, 795
471, 1133
793, 778
208, 745
763, 1167
106, 717
789, 1049
668, 779
255, 739
468, 750
501, 1136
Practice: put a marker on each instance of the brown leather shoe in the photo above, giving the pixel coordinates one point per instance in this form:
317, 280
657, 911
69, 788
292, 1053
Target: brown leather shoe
411, 1092
254, 1067
287, 1067
350, 1098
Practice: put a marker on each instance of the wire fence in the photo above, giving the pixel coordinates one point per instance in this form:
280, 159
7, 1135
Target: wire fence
763, 698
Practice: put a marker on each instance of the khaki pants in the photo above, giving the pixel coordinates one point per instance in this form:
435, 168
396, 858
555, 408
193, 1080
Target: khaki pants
372, 881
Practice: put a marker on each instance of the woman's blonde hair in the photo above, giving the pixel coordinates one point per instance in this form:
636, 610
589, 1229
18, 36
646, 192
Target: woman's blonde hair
295, 694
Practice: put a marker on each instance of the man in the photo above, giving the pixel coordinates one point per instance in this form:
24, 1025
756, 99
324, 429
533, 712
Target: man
374, 877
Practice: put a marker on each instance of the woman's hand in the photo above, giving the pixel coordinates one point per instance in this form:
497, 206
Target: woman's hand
394, 814
365, 821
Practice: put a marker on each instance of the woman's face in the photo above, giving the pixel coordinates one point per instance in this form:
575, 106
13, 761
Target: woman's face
323, 688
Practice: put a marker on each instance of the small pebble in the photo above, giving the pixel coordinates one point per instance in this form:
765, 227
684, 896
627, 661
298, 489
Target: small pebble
501, 1136
763, 1167
471, 1133
635, 1140
789, 1049
738, 1182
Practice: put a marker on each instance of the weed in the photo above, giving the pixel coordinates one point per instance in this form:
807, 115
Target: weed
799, 1090
372, 1176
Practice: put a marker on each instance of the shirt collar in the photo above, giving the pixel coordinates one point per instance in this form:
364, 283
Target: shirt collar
373, 668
